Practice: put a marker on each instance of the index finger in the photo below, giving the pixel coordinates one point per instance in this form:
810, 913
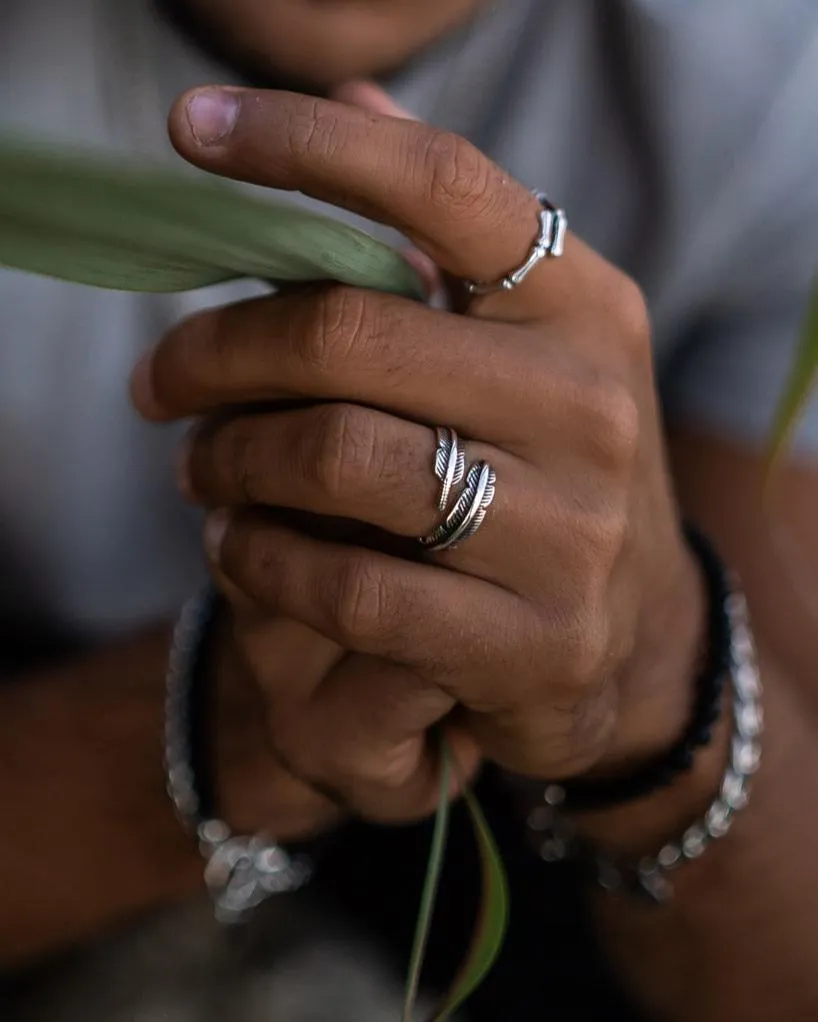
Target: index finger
454, 203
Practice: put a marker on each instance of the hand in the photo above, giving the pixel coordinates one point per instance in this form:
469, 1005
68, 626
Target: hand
562, 637
257, 791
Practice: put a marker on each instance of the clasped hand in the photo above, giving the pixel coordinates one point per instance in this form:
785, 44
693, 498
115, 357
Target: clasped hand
545, 643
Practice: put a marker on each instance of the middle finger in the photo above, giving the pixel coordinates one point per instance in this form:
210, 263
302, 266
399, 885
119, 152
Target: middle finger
347, 461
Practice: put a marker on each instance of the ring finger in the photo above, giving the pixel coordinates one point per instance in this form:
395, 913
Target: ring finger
347, 461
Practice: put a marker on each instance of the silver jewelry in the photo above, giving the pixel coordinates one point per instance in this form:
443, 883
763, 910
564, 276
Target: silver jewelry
450, 464
650, 876
550, 244
469, 512
240, 872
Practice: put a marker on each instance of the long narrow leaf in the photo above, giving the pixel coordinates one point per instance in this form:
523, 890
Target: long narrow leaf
802, 379
434, 868
36, 249
93, 220
489, 935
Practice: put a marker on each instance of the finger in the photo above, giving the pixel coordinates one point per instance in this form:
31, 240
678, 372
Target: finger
439, 623
339, 343
295, 809
363, 736
286, 659
455, 204
298, 810
350, 463
366, 95
346, 461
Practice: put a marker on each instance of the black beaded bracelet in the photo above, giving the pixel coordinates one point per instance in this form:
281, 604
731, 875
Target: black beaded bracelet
241, 872
589, 796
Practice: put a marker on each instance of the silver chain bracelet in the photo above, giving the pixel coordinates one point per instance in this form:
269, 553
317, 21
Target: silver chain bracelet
241, 872
556, 836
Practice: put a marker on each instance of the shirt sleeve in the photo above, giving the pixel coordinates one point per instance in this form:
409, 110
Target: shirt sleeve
739, 351
732, 376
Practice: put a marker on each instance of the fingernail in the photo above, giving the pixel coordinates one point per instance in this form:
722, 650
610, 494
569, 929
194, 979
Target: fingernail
212, 115
215, 528
142, 393
427, 270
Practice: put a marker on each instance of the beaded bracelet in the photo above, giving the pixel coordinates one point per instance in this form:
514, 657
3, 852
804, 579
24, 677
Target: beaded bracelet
240, 872
556, 836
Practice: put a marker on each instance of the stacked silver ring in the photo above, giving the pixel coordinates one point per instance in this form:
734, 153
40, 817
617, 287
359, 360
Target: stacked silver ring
466, 515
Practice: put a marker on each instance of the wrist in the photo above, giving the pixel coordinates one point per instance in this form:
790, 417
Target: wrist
611, 826
637, 828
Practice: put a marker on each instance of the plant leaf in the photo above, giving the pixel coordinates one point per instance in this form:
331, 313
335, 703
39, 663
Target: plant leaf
96, 221
434, 867
802, 379
488, 938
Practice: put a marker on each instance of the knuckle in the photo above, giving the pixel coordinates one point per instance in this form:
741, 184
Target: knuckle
631, 314
311, 133
459, 177
360, 599
336, 322
614, 423
345, 452
598, 536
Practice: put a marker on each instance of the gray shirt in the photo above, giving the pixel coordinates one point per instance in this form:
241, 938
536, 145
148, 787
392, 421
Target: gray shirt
681, 137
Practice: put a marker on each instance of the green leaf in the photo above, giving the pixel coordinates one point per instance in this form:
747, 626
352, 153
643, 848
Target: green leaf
97, 221
488, 938
434, 868
490, 932
802, 380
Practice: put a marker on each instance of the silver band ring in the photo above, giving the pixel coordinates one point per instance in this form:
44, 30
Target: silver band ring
550, 244
450, 464
469, 512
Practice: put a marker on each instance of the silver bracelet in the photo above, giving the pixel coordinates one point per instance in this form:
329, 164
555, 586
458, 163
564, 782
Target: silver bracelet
240, 872
556, 836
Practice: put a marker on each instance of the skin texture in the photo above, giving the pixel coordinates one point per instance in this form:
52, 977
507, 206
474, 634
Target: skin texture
588, 519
